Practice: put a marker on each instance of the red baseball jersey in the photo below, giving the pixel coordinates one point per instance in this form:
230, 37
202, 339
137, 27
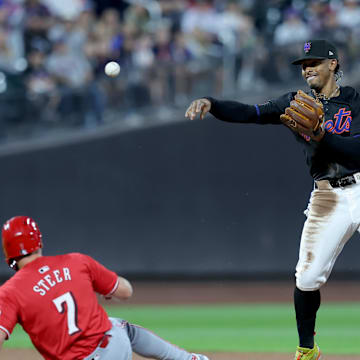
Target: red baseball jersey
54, 300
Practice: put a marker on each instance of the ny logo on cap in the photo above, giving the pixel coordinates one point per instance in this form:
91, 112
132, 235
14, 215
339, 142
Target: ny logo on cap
307, 47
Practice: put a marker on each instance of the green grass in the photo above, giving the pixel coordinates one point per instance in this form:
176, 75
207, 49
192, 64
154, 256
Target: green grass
244, 328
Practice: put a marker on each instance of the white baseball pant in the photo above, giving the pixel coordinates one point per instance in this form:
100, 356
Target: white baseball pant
333, 216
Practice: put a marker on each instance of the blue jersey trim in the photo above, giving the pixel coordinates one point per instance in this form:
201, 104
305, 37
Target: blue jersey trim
356, 135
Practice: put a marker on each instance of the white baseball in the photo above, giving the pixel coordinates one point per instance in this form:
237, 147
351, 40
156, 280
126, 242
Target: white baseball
112, 69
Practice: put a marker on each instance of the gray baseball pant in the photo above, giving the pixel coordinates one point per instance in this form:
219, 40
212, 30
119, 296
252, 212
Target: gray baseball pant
126, 338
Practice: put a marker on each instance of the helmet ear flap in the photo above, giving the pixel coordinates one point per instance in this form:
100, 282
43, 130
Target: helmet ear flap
13, 264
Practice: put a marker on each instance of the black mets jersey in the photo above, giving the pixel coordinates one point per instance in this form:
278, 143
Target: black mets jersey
337, 155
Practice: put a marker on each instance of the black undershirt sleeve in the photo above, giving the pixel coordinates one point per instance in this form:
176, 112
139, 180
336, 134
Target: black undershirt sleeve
233, 111
343, 147
237, 112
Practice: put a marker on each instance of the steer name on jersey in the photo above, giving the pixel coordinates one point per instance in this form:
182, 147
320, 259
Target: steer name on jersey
50, 280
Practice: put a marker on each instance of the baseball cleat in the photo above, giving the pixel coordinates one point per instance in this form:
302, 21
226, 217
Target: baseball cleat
308, 354
199, 357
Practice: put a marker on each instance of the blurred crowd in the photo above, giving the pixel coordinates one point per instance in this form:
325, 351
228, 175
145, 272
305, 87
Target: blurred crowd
53, 52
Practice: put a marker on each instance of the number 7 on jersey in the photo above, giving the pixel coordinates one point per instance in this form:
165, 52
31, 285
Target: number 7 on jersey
71, 307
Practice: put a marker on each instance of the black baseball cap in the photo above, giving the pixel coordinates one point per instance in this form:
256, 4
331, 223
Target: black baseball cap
318, 50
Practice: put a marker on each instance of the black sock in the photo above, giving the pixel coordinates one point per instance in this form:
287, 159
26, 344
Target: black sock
307, 304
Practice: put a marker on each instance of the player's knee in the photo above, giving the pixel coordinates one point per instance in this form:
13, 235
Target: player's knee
307, 281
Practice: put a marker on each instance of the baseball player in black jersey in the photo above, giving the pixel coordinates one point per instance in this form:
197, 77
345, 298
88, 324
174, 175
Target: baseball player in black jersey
326, 121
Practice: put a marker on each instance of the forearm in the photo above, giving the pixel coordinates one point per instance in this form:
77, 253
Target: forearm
233, 111
348, 147
237, 112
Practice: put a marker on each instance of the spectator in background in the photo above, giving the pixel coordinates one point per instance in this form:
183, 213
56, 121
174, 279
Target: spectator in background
105, 40
161, 79
181, 61
292, 30
200, 24
74, 76
66, 9
201, 16
143, 56
12, 51
172, 11
347, 31
333, 31
38, 20
349, 14
140, 65
41, 88
316, 15
101, 5
238, 28
9, 52
138, 17
12, 64
78, 31
112, 34
75, 31
287, 36
67, 68
111, 21
11, 14
108, 39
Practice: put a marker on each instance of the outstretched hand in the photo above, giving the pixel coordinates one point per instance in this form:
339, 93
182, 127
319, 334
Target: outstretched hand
199, 106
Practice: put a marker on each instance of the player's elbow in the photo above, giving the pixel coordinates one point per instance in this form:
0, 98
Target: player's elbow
3, 337
124, 291
127, 293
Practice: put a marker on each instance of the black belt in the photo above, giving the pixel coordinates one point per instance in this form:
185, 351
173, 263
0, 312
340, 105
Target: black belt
345, 181
342, 182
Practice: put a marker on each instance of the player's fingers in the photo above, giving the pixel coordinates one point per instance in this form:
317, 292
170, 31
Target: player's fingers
190, 112
203, 112
206, 108
187, 112
199, 106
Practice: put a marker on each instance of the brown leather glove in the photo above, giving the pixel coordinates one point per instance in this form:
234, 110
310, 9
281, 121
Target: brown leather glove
305, 116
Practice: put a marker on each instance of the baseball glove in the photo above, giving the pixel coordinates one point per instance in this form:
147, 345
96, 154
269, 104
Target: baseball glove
305, 116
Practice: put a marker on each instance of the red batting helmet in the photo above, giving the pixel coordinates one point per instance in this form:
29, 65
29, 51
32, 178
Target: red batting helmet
20, 236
